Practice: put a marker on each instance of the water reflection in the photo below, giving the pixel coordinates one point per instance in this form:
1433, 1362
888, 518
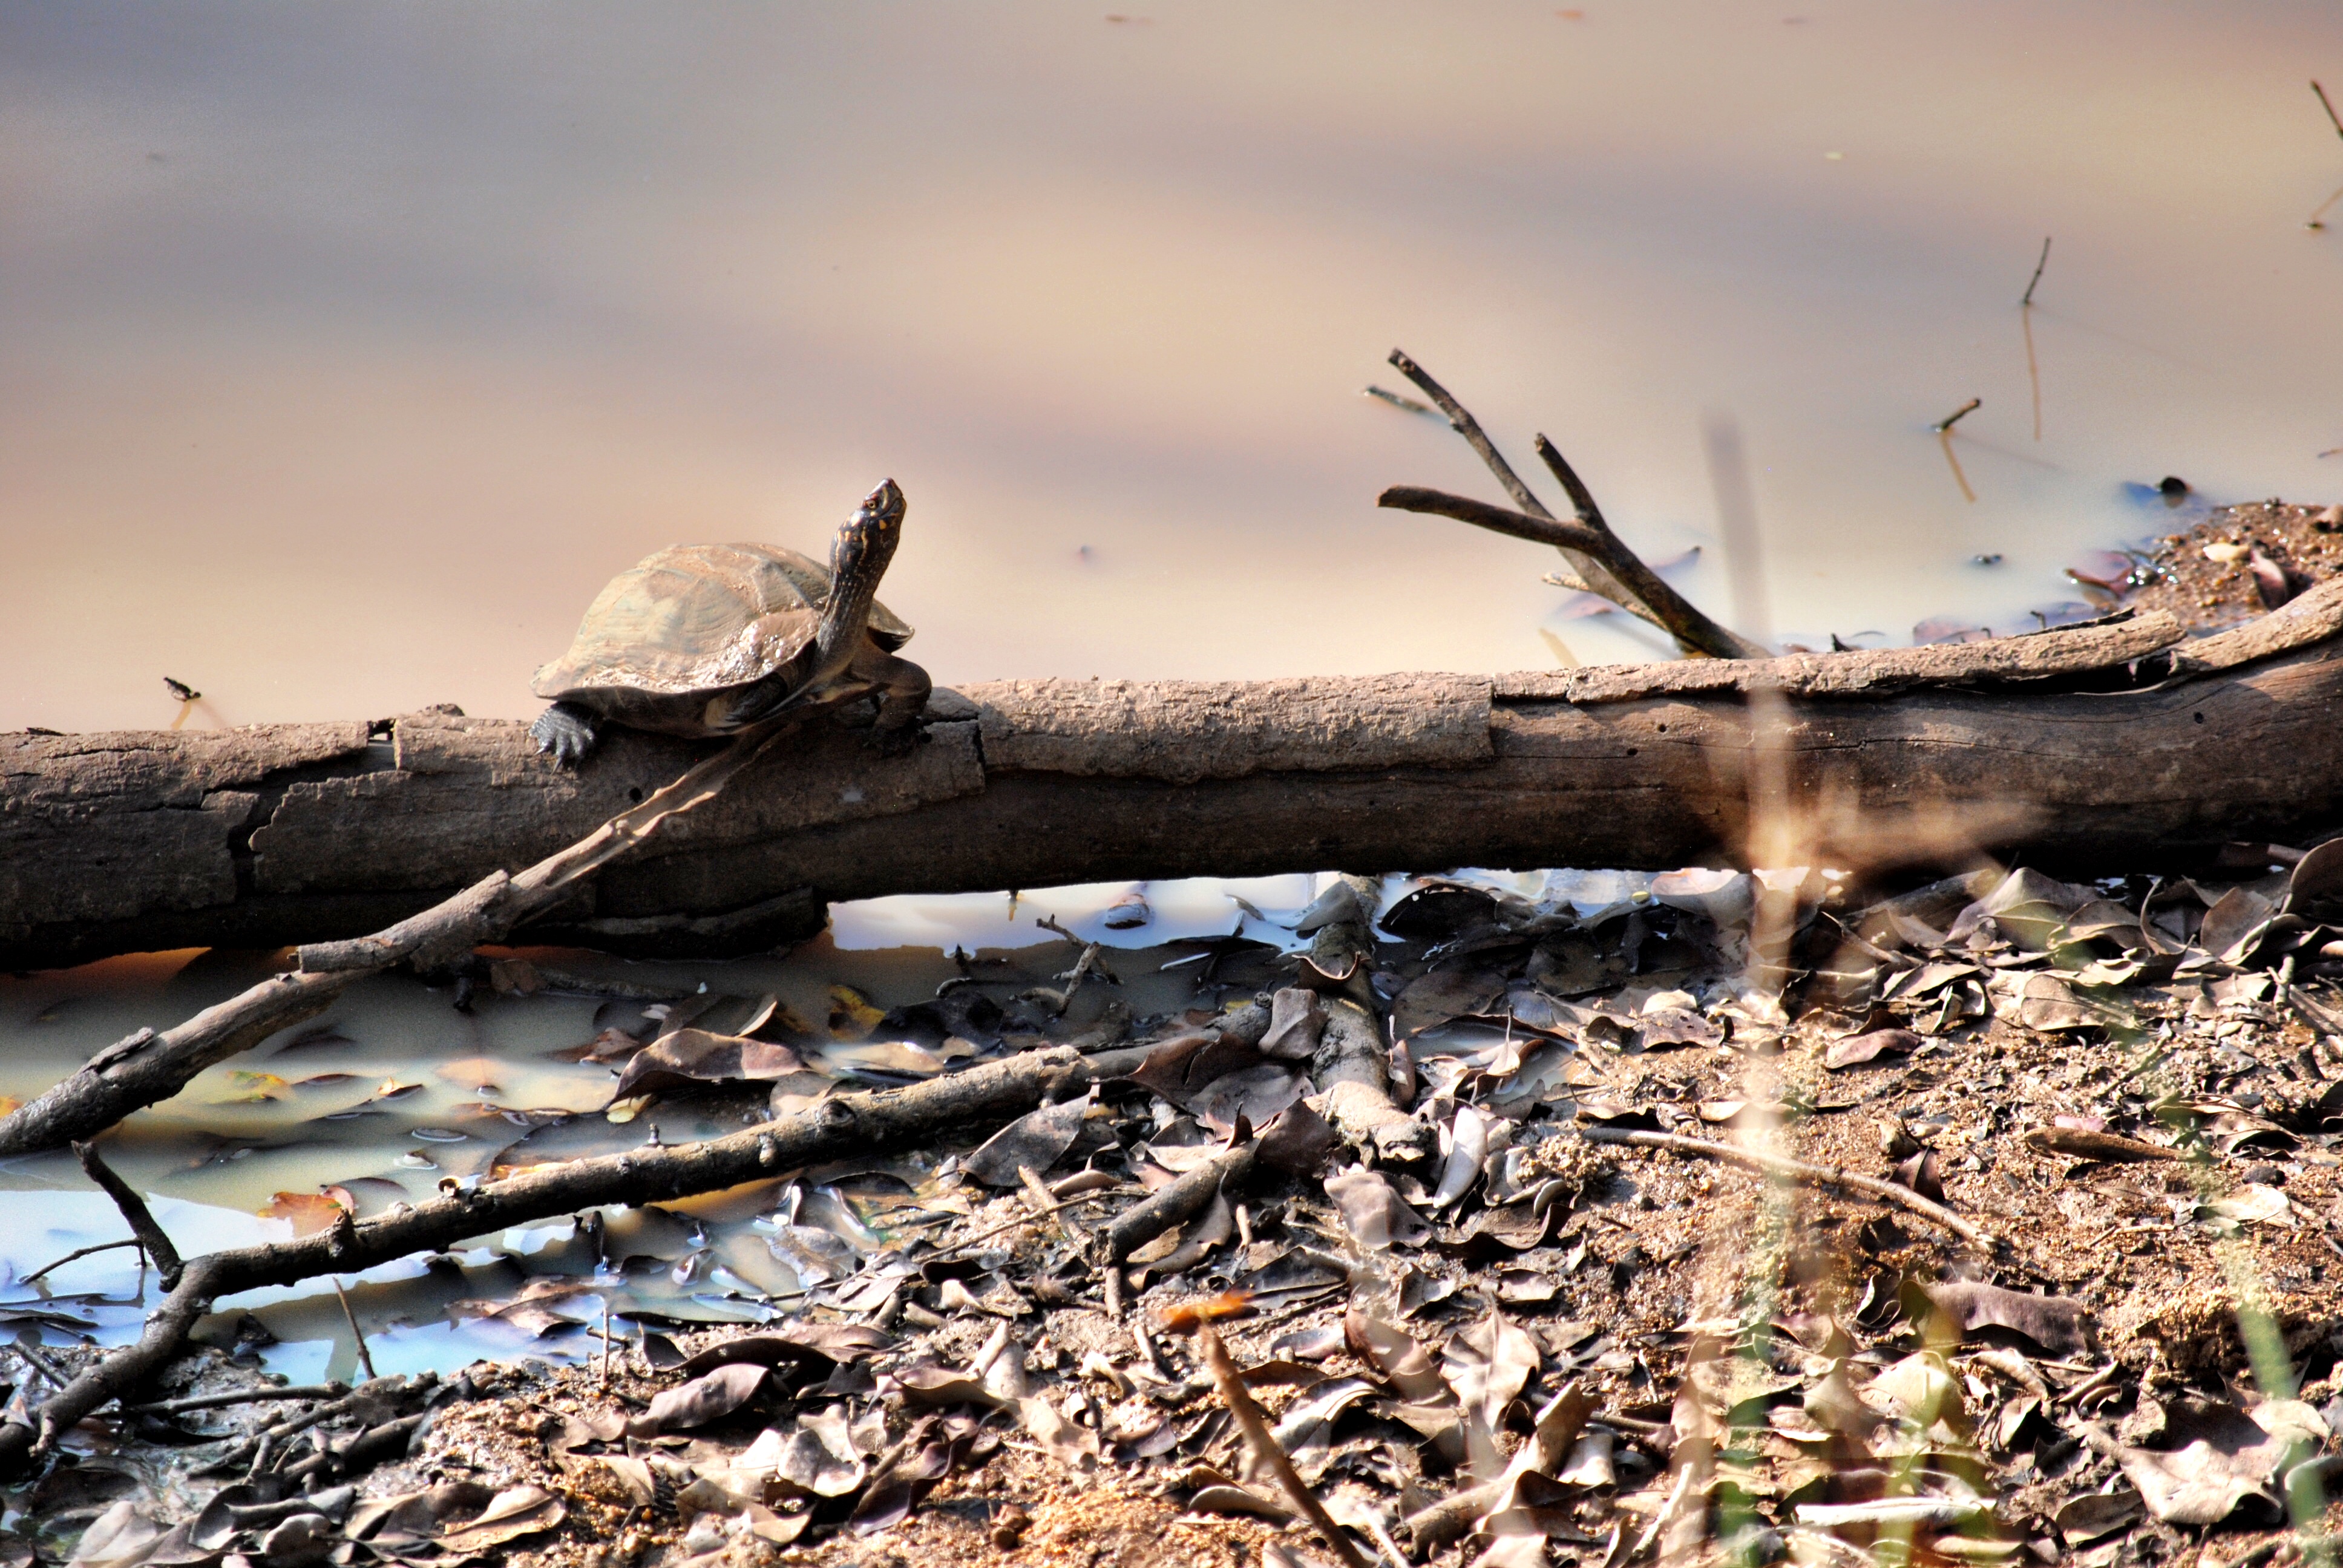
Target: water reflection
352, 349
395, 1090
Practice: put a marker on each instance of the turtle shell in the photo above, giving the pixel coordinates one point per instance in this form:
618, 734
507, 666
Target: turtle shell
701, 617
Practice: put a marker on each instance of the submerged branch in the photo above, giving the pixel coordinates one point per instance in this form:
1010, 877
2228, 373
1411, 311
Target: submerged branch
1599, 559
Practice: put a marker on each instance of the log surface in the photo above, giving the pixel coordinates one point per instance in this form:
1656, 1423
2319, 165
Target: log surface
294, 833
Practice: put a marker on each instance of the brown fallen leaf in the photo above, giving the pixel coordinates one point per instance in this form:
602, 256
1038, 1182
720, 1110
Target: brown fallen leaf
1862, 1047
704, 1399
514, 1511
2083, 1144
1034, 1142
310, 1212
2059, 1324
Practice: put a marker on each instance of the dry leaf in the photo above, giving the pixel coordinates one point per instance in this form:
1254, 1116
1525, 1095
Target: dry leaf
704, 1399
515, 1512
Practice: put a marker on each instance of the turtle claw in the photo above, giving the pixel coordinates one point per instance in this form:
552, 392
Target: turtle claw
564, 732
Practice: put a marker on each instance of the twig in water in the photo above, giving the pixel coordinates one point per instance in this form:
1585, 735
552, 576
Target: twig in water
1597, 557
1396, 401
241, 1396
1945, 440
2027, 301
2332, 118
1957, 415
42, 1365
2032, 366
80, 1253
366, 1357
1799, 1171
149, 1235
1229, 1383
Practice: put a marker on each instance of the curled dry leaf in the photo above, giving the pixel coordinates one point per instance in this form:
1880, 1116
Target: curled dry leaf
515, 1512
1374, 1212
1033, 1141
2059, 1324
704, 1399
1296, 1020
2085, 1144
1488, 1364
1862, 1047
1468, 1147
1393, 1351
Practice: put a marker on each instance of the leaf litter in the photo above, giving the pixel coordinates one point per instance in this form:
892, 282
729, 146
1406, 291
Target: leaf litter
1512, 1346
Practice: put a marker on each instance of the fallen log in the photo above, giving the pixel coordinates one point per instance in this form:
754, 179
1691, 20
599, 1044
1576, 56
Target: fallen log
2088, 748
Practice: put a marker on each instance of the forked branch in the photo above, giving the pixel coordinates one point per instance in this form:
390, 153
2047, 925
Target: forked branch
1600, 561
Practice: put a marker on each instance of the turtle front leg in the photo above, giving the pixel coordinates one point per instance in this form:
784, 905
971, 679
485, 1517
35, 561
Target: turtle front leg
902, 688
566, 731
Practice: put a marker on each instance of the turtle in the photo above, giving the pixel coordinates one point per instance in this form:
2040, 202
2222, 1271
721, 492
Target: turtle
706, 639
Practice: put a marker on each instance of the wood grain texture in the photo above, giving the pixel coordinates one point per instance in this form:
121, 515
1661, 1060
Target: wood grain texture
1034, 783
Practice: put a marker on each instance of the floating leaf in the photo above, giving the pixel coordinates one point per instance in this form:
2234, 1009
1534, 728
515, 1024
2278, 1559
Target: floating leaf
309, 1213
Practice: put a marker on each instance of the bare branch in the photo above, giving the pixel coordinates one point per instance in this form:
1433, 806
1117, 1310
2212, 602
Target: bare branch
1667, 608
1599, 579
1598, 556
1799, 1171
1229, 1382
149, 1235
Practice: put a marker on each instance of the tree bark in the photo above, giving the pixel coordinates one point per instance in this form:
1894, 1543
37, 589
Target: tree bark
2102, 746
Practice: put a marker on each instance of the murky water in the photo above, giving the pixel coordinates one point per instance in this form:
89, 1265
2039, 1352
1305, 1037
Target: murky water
396, 1089
352, 349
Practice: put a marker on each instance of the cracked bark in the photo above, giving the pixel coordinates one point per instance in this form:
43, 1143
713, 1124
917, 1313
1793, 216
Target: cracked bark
2080, 747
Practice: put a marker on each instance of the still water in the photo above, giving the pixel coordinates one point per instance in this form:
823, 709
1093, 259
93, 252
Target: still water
352, 349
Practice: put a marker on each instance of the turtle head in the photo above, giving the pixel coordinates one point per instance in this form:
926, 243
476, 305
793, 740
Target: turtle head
857, 559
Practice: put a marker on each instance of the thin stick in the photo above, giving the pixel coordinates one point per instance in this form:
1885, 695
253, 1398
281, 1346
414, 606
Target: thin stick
246, 1396
1799, 1171
1599, 553
1465, 425
134, 1209
80, 1253
1589, 565
2026, 303
2331, 117
1229, 1383
606, 1344
1945, 440
366, 1357
1686, 624
859, 1123
1396, 401
1957, 415
2032, 366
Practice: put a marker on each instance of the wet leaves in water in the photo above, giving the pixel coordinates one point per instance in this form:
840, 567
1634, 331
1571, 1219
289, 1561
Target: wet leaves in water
309, 1213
